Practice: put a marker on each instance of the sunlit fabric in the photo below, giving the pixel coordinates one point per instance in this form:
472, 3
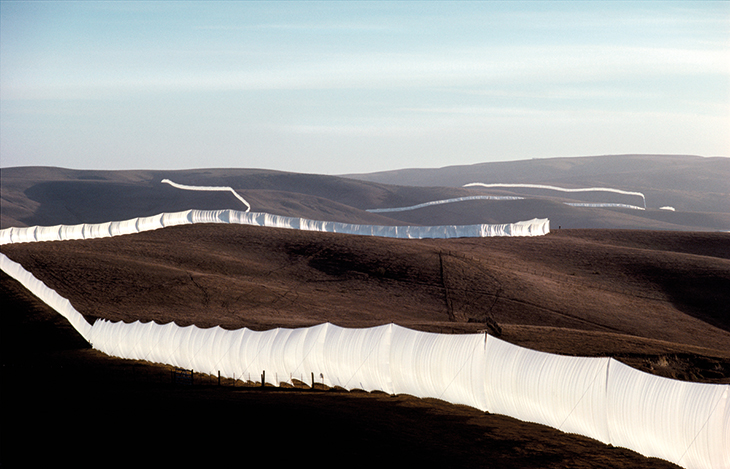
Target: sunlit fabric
209, 188
441, 202
444, 366
685, 423
535, 227
567, 393
562, 189
60, 304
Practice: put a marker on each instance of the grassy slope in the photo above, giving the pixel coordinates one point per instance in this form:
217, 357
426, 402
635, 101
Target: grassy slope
72, 396
63, 403
638, 294
657, 301
696, 187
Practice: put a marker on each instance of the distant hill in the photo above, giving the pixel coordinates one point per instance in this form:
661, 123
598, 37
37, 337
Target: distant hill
688, 183
49, 196
697, 188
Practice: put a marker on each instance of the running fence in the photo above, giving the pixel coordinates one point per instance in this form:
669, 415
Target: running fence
685, 423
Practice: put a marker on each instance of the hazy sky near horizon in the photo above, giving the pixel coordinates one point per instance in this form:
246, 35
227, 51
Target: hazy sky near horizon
343, 87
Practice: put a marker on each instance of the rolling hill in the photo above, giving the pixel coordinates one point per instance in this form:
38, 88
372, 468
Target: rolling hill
656, 300
653, 291
697, 188
570, 283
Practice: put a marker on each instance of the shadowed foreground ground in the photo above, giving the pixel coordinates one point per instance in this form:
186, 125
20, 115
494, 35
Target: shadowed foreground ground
63, 403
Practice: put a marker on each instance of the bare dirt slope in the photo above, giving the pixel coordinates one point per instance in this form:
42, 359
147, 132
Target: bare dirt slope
655, 300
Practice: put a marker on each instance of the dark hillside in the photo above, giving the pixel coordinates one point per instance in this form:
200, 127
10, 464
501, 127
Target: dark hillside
656, 300
660, 287
688, 183
696, 187
80, 406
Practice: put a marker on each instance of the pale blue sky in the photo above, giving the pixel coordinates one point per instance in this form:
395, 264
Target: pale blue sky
338, 87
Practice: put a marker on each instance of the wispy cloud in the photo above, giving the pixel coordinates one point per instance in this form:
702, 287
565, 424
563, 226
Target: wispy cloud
398, 73
495, 66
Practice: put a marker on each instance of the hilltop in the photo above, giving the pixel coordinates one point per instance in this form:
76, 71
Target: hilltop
697, 188
653, 292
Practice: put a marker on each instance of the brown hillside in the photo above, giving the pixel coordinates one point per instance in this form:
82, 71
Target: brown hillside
659, 292
560, 215
50, 196
696, 187
82, 407
655, 300
688, 183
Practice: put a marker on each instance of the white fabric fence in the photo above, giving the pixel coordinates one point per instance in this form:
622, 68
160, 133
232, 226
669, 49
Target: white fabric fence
489, 197
567, 393
60, 304
535, 227
443, 201
209, 188
685, 423
581, 204
562, 189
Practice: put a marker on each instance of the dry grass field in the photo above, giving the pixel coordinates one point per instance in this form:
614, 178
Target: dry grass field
650, 288
696, 187
655, 300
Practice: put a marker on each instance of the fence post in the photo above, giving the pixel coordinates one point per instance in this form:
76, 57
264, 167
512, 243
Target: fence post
263, 378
